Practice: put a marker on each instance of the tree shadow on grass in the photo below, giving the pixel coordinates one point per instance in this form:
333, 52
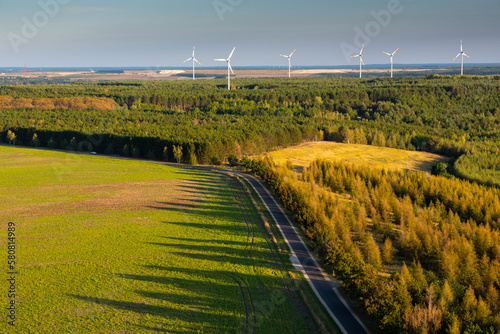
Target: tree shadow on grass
197, 272
169, 330
211, 241
205, 172
208, 188
201, 298
221, 212
226, 228
210, 302
220, 253
196, 203
197, 318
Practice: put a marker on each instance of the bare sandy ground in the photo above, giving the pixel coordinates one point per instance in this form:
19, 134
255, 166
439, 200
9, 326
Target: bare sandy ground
204, 73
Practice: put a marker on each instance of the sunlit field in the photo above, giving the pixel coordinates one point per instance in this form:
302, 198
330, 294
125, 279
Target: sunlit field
119, 246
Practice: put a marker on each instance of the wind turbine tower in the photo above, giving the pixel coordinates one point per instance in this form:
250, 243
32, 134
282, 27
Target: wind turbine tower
392, 56
194, 60
462, 53
289, 61
360, 55
229, 68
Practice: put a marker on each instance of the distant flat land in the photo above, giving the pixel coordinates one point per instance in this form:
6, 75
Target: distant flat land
67, 75
121, 246
381, 157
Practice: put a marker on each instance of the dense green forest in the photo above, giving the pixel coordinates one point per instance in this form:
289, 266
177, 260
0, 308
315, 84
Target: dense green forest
454, 116
420, 254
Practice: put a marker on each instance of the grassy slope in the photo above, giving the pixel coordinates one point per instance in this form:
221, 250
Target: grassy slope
382, 157
116, 246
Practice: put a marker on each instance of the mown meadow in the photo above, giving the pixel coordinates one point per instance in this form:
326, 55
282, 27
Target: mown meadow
120, 246
302, 155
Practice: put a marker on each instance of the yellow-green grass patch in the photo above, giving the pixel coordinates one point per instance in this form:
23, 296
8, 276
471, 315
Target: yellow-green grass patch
381, 157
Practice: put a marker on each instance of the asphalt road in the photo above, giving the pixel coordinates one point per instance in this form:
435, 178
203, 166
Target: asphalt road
324, 288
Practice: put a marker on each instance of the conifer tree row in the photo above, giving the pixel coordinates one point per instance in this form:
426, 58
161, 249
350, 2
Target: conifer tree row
455, 116
441, 252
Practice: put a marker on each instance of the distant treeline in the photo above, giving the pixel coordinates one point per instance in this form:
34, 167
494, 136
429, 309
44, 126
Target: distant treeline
64, 103
455, 116
437, 238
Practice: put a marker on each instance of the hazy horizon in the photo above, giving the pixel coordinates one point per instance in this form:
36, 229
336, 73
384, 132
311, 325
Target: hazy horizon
243, 67
112, 33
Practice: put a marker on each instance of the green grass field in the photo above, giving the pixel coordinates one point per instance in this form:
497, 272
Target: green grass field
120, 246
380, 157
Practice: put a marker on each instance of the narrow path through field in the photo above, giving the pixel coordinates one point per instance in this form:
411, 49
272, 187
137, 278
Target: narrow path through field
245, 213
324, 288
250, 316
243, 197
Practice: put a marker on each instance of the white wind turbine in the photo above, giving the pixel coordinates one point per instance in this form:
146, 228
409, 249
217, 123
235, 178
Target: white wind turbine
360, 59
462, 53
194, 60
229, 68
289, 61
391, 55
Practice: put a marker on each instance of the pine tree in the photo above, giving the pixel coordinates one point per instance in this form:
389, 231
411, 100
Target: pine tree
165, 154
135, 152
482, 312
469, 306
454, 326
11, 137
493, 299
178, 153
51, 143
405, 274
446, 298
372, 252
125, 150
35, 141
388, 251
72, 144
192, 155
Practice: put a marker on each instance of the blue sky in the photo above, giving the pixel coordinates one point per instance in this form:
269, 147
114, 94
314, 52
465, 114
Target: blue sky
90, 33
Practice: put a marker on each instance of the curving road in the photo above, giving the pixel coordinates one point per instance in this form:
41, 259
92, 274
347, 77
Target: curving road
324, 288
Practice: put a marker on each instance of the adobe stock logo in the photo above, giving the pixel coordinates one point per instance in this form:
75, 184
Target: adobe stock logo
381, 19
31, 28
223, 6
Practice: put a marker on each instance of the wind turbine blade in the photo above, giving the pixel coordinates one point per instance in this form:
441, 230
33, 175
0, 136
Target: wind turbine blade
461, 48
291, 54
196, 60
284, 56
395, 52
386, 53
466, 55
185, 61
355, 56
220, 59
361, 52
193, 51
456, 56
362, 61
231, 53
229, 64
